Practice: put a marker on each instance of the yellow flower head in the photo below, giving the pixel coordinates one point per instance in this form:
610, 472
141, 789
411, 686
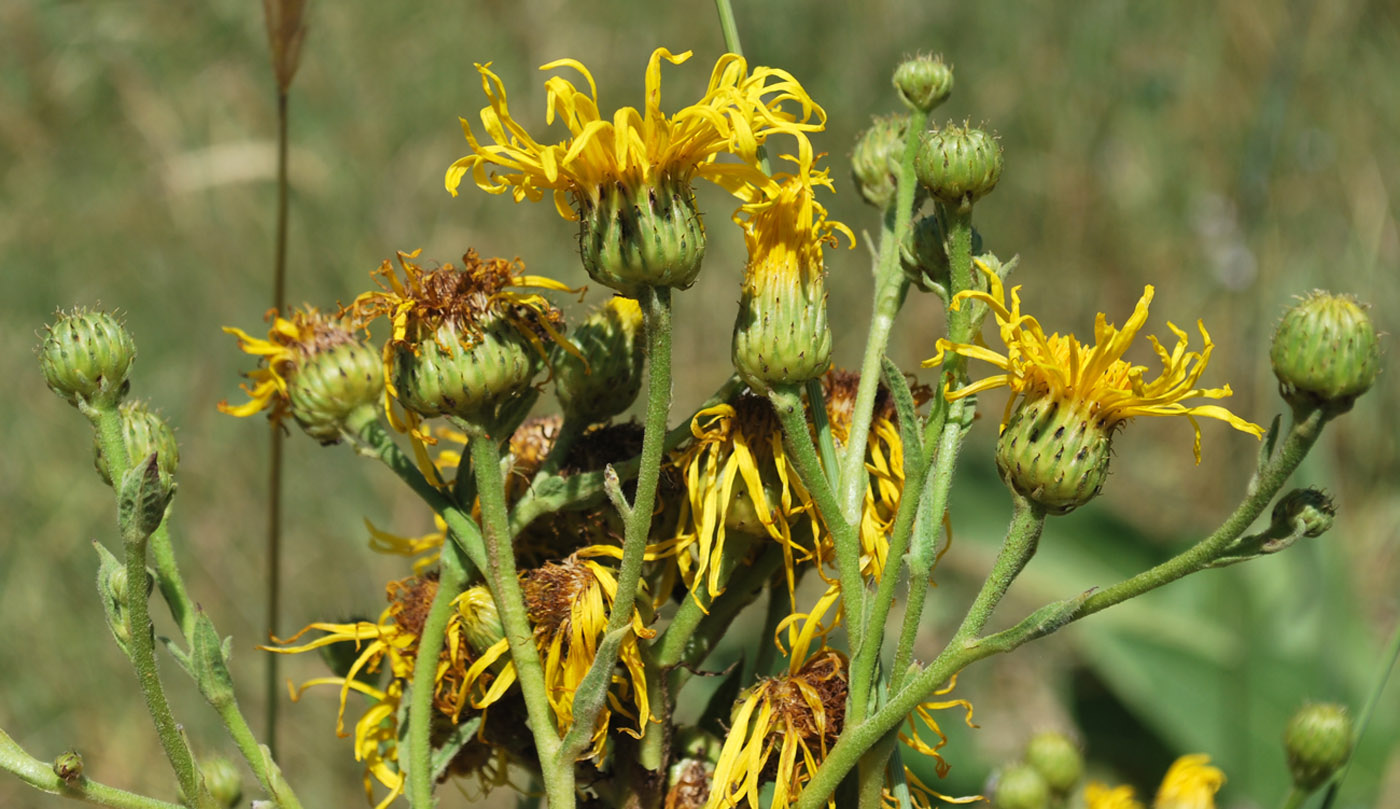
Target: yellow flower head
1094, 381
290, 343
737, 478
568, 603
392, 643
1190, 783
785, 227
738, 113
782, 728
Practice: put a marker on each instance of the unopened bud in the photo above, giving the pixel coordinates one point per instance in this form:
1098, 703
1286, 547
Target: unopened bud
1057, 759
85, 357
959, 164
221, 778
1021, 786
1309, 512
481, 623
144, 432
69, 767
606, 376
1325, 353
924, 82
1318, 741
875, 159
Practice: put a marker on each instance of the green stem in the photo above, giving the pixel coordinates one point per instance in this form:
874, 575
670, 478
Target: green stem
569, 432
890, 289
743, 588
1295, 798
1363, 719
272, 688
1022, 537
964, 650
729, 27
172, 586
845, 535
141, 643
960, 280
656, 309
40, 775
259, 758
372, 439
774, 612
816, 401
504, 582
452, 578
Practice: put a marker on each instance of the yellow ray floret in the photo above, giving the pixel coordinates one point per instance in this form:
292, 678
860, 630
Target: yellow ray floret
785, 227
1190, 783
290, 342
737, 114
1094, 379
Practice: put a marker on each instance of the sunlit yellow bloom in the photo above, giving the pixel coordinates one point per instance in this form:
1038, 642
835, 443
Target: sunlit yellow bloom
1190, 783
568, 603
782, 727
1093, 380
781, 335
737, 478
290, 343
392, 644
737, 114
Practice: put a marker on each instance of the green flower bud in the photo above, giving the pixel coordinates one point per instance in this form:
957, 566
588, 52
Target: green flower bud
85, 357
781, 335
651, 235
221, 778
924, 82
875, 159
68, 766
1309, 512
1021, 786
959, 164
1318, 742
1057, 759
144, 432
607, 378
924, 255
1325, 353
481, 623
1054, 455
444, 378
336, 387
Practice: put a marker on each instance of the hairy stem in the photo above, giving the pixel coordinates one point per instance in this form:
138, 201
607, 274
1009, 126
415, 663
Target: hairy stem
40, 775
452, 579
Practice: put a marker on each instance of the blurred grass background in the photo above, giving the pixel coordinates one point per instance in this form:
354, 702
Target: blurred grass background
1234, 154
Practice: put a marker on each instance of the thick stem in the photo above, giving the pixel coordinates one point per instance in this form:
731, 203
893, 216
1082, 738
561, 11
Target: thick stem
259, 758
1295, 798
1022, 537
452, 578
656, 308
40, 775
890, 289
504, 582
141, 642
844, 533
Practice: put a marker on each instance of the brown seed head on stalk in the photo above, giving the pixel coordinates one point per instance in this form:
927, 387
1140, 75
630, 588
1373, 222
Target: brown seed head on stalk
285, 32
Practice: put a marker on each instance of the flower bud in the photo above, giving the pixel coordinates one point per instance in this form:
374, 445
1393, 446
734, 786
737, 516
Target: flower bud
335, 388
1308, 512
1054, 455
69, 767
959, 164
1325, 353
1318, 742
650, 235
144, 432
1057, 759
875, 159
221, 778
481, 623
444, 378
607, 378
781, 335
924, 82
85, 357
924, 255
1021, 786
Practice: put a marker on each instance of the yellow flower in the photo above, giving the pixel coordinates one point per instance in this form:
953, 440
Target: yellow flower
1092, 380
781, 336
568, 603
737, 114
1190, 783
392, 643
290, 342
737, 478
782, 728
